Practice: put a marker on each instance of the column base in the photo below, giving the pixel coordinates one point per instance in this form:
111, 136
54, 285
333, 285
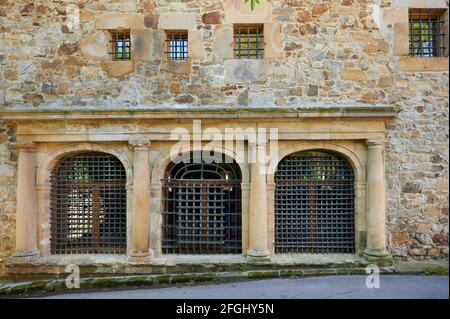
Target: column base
258, 255
24, 255
139, 257
379, 257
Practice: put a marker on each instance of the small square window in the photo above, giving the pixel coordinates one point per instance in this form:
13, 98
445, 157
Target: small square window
427, 32
120, 45
248, 41
177, 45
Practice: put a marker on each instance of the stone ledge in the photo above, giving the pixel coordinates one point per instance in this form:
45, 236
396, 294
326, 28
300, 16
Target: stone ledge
48, 286
423, 64
372, 111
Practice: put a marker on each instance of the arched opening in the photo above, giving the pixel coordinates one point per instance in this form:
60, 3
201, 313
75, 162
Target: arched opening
202, 207
314, 204
88, 205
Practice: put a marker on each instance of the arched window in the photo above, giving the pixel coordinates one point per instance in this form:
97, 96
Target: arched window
202, 207
88, 205
314, 204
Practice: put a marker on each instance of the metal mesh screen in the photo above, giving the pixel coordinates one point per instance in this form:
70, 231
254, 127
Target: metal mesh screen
88, 205
426, 32
314, 204
177, 45
202, 209
120, 46
248, 42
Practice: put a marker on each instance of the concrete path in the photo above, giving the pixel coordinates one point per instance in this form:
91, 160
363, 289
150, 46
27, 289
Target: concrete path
331, 287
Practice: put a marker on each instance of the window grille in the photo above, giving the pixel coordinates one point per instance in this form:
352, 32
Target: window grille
314, 204
120, 46
248, 42
426, 33
88, 205
177, 45
202, 208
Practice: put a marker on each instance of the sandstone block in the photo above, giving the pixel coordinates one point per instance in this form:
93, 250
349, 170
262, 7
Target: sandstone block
247, 70
223, 43
211, 17
95, 47
273, 44
196, 48
112, 21
117, 69
354, 75
177, 67
151, 21
177, 21
401, 39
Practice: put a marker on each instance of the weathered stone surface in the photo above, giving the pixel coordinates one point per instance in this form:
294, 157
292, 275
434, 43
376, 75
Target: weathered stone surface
112, 21
223, 43
177, 67
68, 48
319, 9
117, 69
96, 46
196, 47
354, 75
247, 71
151, 21
211, 17
236, 12
411, 187
177, 21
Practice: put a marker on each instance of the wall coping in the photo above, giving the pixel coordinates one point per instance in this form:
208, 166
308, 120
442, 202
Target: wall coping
47, 114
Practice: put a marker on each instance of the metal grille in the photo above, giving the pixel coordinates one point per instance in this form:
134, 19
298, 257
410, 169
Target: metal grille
248, 42
426, 33
120, 46
202, 209
177, 45
88, 205
314, 205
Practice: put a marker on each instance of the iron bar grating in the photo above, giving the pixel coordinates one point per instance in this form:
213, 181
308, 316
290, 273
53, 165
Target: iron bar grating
427, 33
248, 42
120, 46
88, 205
314, 204
202, 209
177, 45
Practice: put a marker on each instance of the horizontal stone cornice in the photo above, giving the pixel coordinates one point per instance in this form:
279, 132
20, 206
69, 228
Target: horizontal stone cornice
21, 114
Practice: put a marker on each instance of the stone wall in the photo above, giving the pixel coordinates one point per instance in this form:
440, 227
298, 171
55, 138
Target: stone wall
334, 52
8, 164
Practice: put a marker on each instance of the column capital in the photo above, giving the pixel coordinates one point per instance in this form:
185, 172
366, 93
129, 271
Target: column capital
139, 143
376, 142
27, 146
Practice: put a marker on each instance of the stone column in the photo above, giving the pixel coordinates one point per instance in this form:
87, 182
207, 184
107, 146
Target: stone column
376, 201
140, 216
245, 204
26, 214
258, 203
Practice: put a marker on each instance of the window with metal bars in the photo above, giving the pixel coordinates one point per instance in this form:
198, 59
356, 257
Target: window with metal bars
314, 204
248, 41
427, 32
120, 45
88, 205
202, 208
177, 45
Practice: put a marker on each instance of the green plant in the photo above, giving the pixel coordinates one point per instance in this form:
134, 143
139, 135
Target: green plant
252, 3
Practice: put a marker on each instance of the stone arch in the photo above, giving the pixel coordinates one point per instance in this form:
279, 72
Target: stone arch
353, 159
162, 162
43, 185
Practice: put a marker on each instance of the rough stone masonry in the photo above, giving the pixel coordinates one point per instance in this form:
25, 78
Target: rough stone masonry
338, 52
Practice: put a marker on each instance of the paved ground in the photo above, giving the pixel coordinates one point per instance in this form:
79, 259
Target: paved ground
331, 287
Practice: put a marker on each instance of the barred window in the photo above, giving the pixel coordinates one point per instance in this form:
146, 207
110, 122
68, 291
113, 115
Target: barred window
88, 205
248, 41
202, 208
120, 45
177, 45
427, 32
314, 204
